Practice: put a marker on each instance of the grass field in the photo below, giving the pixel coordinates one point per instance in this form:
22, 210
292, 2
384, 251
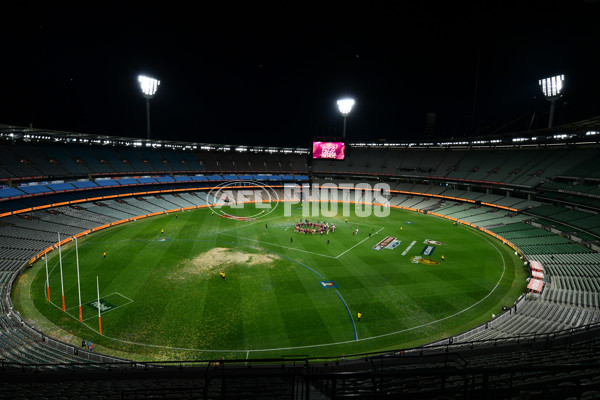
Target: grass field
163, 298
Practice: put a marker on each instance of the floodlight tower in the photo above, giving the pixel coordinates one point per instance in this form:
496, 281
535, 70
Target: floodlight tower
149, 87
345, 106
551, 88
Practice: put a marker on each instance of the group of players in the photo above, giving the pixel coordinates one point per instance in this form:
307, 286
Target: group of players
311, 228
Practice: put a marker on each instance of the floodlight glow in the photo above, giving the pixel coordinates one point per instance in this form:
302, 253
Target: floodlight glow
149, 85
345, 106
552, 86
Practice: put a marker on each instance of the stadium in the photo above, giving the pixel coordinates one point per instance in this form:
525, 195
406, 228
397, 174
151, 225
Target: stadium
382, 202
537, 206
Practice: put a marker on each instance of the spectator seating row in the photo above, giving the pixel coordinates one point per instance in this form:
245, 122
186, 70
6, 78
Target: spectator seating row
570, 297
22, 160
201, 180
519, 167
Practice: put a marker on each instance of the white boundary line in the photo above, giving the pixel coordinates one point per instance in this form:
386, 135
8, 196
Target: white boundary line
247, 351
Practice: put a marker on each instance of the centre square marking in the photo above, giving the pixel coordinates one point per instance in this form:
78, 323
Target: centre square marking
328, 284
290, 246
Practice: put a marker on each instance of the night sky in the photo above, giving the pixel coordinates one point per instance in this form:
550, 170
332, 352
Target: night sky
271, 74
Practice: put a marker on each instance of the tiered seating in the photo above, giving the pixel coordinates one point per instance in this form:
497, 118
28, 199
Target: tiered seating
529, 239
470, 166
575, 219
73, 165
191, 160
469, 212
543, 165
87, 156
570, 296
13, 227
575, 279
155, 162
563, 367
587, 168
131, 159
173, 160
412, 202
34, 189
17, 346
450, 208
571, 199
195, 199
520, 167
104, 210
113, 159
19, 160
160, 202
81, 213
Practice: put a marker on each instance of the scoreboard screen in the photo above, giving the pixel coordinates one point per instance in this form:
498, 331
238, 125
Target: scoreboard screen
329, 150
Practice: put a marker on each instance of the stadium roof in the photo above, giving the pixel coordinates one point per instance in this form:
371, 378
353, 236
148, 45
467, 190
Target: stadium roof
45, 135
583, 132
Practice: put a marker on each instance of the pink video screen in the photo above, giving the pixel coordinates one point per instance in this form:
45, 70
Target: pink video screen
329, 150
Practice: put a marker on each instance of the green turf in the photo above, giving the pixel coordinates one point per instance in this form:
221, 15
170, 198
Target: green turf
164, 298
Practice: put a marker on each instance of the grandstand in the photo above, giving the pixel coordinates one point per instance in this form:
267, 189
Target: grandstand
543, 200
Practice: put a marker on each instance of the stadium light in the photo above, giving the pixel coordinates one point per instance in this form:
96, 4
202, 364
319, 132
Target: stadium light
552, 88
149, 87
345, 106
